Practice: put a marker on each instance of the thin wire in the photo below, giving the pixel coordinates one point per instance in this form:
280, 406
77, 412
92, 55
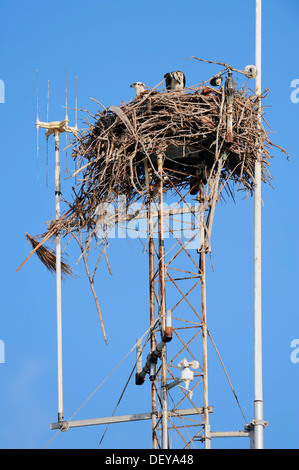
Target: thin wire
183, 422
235, 395
124, 389
97, 388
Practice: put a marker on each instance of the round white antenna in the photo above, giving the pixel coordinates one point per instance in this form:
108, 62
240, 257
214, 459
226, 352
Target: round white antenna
183, 364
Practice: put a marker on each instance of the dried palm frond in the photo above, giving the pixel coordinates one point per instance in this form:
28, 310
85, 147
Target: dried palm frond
48, 257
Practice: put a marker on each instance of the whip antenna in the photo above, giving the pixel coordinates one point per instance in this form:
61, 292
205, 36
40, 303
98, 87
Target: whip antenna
76, 127
66, 118
37, 127
76, 104
47, 137
50, 259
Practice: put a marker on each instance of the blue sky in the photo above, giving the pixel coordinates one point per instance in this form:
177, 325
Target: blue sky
109, 45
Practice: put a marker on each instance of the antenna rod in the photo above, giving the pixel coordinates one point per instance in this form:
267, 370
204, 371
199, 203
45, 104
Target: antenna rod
37, 148
47, 158
258, 428
66, 117
76, 105
48, 97
37, 94
66, 93
56, 128
58, 279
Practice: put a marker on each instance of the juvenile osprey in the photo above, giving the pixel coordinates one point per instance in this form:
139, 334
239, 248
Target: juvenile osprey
139, 87
175, 80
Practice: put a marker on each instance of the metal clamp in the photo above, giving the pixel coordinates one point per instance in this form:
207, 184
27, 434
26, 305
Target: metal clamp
64, 426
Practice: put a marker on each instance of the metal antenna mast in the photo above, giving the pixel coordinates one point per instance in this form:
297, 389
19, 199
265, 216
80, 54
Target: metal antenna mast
56, 128
258, 424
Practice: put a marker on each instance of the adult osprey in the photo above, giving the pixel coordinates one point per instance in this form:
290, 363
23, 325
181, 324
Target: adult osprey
175, 80
250, 71
139, 87
216, 81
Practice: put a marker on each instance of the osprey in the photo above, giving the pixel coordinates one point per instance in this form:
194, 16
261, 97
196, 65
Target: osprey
250, 71
216, 81
139, 87
175, 80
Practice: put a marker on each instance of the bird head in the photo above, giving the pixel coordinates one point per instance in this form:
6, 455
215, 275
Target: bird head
250, 71
139, 87
216, 80
175, 80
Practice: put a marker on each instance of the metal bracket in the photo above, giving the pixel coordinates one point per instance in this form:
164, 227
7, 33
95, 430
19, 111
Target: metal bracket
64, 426
255, 422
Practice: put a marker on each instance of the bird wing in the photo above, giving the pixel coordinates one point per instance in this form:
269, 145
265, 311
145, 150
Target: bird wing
168, 80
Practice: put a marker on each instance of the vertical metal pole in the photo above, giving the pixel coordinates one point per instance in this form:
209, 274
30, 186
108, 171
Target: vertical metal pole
152, 304
204, 319
58, 280
258, 379
162, 300
161, 244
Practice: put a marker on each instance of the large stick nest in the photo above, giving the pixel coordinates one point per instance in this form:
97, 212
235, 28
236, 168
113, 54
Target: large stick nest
117, 156
119, 149
190, 130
